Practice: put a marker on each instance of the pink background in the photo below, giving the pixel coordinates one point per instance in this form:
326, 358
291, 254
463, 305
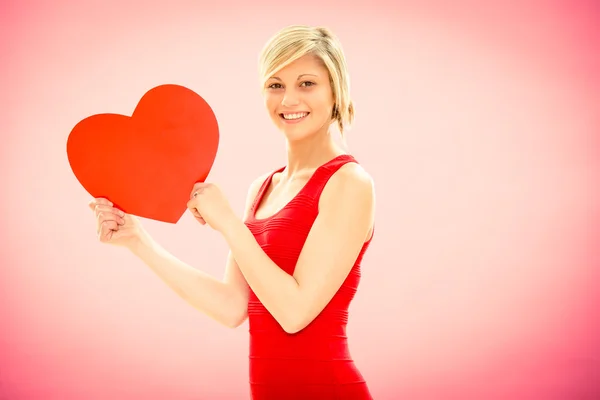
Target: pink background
478, 121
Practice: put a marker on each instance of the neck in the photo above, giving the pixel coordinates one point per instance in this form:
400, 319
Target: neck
310, 153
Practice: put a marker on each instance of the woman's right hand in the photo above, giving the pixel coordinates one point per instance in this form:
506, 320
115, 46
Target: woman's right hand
113, 225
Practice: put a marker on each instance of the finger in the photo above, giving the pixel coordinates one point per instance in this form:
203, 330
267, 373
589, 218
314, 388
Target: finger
197, 216
192, 203
109, 210
105, 213
200, 219
196, 192
102, 208
198, 186
107, 228
99, 201
103, 201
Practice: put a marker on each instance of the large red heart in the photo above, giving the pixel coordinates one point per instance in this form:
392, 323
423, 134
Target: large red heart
147, 164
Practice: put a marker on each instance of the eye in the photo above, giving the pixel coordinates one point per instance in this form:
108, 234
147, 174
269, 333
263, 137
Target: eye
308, 83
274, 86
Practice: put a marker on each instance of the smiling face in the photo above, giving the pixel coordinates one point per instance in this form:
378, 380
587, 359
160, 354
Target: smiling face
299, 98
305, 81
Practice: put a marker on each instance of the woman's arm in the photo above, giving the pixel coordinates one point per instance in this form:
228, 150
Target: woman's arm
225, 301
345, 220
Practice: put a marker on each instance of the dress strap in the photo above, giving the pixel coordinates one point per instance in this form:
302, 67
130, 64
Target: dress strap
325, 172
263, 189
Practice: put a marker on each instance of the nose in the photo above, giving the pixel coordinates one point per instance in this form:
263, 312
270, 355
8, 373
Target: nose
290, 99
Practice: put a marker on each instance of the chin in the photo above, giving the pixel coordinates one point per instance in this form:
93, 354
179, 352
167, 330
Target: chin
295, 135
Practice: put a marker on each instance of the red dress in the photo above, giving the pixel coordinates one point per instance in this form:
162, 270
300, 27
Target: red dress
315, 363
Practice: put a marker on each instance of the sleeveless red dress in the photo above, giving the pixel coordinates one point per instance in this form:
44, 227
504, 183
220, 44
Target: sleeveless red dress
315, 363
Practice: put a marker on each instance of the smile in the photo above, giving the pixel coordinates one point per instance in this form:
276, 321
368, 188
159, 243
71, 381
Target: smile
295, 117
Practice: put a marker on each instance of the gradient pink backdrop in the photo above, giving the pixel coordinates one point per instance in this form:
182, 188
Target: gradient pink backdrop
478, 121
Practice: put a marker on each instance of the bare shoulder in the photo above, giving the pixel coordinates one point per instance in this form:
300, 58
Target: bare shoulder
349, 195
257, 183
350, 182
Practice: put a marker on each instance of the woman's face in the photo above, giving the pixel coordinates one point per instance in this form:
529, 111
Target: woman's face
299, 98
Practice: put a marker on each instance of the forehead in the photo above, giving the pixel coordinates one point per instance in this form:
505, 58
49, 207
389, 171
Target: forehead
307, 64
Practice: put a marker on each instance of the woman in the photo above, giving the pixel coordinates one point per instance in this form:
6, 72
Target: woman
294, 261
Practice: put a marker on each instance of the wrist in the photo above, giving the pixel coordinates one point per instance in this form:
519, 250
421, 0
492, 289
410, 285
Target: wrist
140, 242
231, 227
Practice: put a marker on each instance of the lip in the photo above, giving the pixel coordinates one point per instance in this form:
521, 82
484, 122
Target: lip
294, 121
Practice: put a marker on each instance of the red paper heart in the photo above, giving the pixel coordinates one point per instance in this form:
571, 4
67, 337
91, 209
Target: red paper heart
147, 164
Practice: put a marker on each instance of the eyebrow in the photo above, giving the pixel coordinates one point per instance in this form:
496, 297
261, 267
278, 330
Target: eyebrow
299, 76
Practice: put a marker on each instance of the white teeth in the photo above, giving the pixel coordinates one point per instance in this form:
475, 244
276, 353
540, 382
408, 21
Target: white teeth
294, 116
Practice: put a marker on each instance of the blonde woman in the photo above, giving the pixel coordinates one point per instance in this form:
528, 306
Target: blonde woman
295, 256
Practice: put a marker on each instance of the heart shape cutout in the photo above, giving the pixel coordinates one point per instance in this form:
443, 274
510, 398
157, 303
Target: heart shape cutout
147, 164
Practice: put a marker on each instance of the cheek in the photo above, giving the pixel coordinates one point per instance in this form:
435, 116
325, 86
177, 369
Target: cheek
272, 104
321, 103
323, 109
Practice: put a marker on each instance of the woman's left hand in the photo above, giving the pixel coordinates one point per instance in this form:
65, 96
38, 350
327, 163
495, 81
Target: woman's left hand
209, 206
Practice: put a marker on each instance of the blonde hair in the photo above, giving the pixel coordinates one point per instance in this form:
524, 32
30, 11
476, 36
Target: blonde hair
296, 41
